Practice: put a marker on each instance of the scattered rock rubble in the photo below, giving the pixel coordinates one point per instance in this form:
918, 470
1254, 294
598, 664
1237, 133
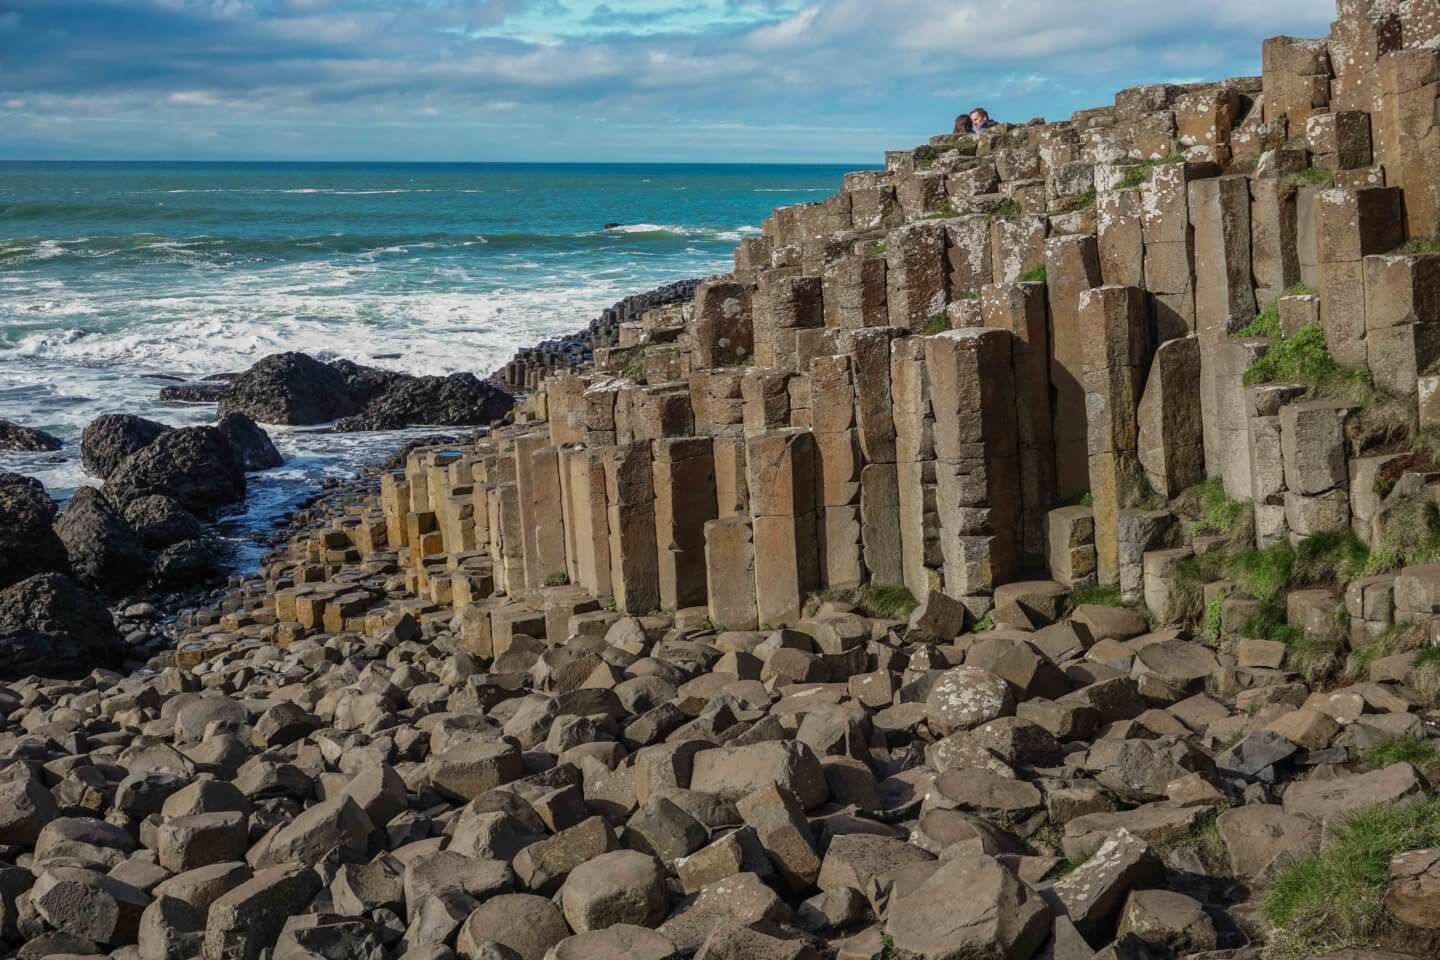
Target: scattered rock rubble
635, 675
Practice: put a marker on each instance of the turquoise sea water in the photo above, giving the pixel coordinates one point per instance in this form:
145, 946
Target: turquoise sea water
114, 276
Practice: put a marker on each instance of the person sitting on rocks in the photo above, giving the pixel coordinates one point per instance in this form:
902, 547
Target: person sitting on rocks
963, 125
980, 120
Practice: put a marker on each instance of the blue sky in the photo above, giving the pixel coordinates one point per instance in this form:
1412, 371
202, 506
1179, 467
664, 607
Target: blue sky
579, 80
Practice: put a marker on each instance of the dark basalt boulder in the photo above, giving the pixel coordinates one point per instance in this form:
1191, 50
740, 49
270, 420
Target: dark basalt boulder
27, 439
106, 554
200, 391
113, 437
51, 627
459, 400
196, 466
160, 521
28, 544
185, 564
367, 383
291, 389
251, 444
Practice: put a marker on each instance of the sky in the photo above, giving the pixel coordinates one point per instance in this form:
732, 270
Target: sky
578, 80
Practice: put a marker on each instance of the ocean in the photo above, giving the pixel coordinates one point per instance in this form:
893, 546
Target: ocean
116, 278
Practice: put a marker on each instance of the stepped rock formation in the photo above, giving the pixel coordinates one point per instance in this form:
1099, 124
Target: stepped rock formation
1025, 553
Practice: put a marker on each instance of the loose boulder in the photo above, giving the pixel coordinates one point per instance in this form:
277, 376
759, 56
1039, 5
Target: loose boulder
105, 551
252, 445
28, 545
15, 437
51, 627
459, 400
160, 521
196, 466
291, 389
110, 439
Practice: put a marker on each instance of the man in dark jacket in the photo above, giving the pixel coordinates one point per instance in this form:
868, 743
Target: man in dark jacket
980, 120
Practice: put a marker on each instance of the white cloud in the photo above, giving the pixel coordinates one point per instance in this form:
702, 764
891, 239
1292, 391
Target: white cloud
193, 98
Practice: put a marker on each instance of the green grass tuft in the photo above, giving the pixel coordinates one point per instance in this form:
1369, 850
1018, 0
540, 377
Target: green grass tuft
1085, 201
886, 601
1264, 574
944, 213
1218, 513
983, 624
1313, 177
1008, 210
1334, 899
1138, 174
1303, 358
1098, 596
1418, 751
1330, 556
1215, 617
1430, 244
1034, 275
938, 323
557, 580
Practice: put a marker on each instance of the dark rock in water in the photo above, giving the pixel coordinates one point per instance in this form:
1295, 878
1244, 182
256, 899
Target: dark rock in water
106, 553
367, 383
184, 564
613, 226
15, 437
195, 465
113, 437
291, 389
28, 545
204, 391
251, 444
160, 521
459, 400
52, 627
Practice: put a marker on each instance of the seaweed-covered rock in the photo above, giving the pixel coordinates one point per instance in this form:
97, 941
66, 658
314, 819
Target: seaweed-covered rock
196, 466
251, 444
52, 627
105, 551
15, 437
111, 438
28, 545
459, 400
292, 389
160, 521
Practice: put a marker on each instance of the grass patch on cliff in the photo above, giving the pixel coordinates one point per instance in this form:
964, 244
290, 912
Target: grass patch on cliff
1266, 323
1420, 752
1217, 512
1085, 201
1334, 900
1330, 556
557, 580
1034, 275
1430, 244
1098, 596
938, 323
944, 213
886, 600
1411, 536
1008, 210
1138, 174
882, 600
1313, 177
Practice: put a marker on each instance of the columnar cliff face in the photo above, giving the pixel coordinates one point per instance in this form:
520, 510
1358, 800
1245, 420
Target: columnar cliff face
1030, 551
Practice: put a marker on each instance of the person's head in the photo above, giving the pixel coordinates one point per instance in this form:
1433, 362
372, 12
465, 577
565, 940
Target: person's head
979, 115
963, 123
